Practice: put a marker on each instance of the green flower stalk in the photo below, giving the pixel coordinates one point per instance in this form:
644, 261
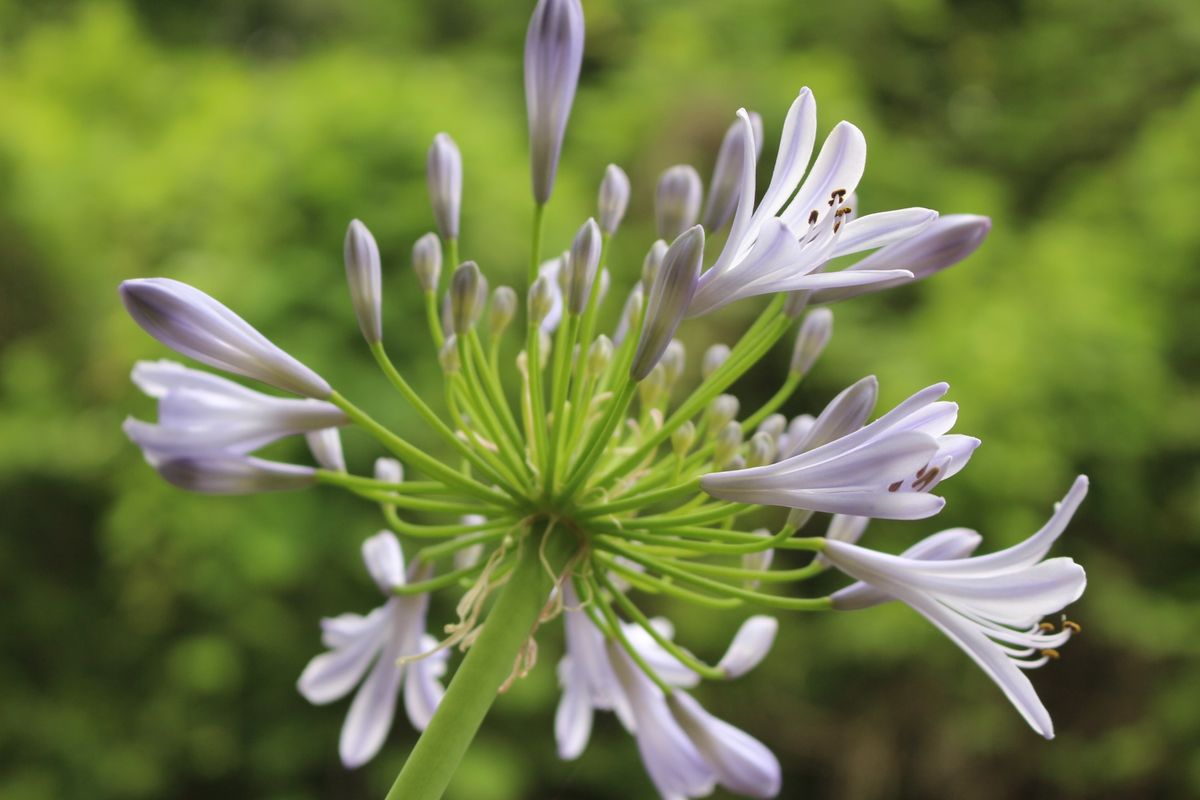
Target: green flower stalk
592, 475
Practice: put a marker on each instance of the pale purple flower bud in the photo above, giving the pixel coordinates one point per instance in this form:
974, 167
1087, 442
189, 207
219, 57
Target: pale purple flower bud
682, 438
542, 293
720, 411
466, 303
502, 309
750, 646
729, 441
673, 361
761, 450
427, 261
677, 200
613, 200
726, 185
582, 265
389, 470
553, 55
653, 263
448, 356
714, 357
814, 334
326, 447
943, 243
630, 312
364, 276
845, 413
669, 298
444, 172
773, 426
231, 474
190, 322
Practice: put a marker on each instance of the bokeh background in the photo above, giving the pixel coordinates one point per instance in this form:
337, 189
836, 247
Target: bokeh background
151, 639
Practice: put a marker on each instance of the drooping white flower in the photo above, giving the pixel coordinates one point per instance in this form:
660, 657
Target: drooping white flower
201, 413
884, 470
991, 606
941, 546
190, 322
781, 246
389, 633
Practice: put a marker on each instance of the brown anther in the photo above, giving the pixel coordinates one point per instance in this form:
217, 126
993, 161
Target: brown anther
812, 217
1046, 627
895, 487
1051, 654
1074, 627
837, 225
923, 482
830, 203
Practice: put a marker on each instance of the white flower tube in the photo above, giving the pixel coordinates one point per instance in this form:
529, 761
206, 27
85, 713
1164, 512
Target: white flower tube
190, 322
884, 470
776, 249
389, 633
991, 605
232, 474
553, 56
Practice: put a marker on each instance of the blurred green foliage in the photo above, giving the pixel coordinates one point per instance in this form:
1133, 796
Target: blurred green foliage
151, 638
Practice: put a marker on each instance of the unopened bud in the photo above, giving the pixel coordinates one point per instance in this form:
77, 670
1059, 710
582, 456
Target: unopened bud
363, 274
326, 447
448, 356
465, 301
443, 172
581, 266
845, 414
599, 355
613, 200
674, 359
726, 185
773, 426
682, 438
761, 450
814, 334
653, 263
541, 298
668, 299
677, 201
653, 388
631, 311
553, 55
501, 310
714, 357
389, 470
729, 441
720, 411
545, 345
427, 261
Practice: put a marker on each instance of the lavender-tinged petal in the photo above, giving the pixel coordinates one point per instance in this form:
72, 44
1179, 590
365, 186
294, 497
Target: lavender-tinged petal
331, 675
864, 502
943, 546
345, 628
218, 474
882, 229
838, 167
742, 763
573, 718
373, 709
326, 447
384, 560
750, 646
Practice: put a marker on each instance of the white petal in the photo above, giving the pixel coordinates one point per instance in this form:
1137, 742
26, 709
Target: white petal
750, 646
422, 690
877, 230
742, 763
370, 716
343, 629
330, 676
839, 166
385, 561
573, 719
942, 546
864, 502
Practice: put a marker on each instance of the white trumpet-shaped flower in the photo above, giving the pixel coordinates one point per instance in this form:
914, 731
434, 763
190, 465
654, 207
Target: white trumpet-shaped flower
393, 631
885, 469
781, 246
685, 749
190, 322
991, 606
201, 413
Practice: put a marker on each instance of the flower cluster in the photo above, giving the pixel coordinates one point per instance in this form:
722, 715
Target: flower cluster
587, 476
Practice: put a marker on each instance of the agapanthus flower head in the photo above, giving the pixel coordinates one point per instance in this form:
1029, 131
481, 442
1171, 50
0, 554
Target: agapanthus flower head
574, 472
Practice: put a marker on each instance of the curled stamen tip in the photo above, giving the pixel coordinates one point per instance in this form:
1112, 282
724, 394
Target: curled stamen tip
1054, 655
1074, 627
1046, 627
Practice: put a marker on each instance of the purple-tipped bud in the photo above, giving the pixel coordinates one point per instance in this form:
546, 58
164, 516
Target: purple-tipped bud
427, 261
467, 294
668, 300
613, 200
542, 293
553, 55
815, 333
677, 201
443, 172
726, 185
363, 274
582, 265
943, 243
228, 474
190, 322
653, 263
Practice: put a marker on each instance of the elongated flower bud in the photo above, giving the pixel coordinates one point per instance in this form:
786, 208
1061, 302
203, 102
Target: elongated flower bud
326, 447
443, 172
227, 474
599, 355
814, 334
364, 276
629, 313
582, 265
465, 301
729, 441
669, 298
720, 411
613, 200
726, 185
389, 470
553, 55
761, 450
714, 357
502, 309
448, 356
673, 361
682, 438
653, 263
541, 298
845, 413
677, 201
774, 426
427, 261
190, 322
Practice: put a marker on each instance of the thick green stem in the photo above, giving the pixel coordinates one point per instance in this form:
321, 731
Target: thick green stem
488, 664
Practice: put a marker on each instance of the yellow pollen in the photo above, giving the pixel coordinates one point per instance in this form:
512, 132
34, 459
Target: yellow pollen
1074, 626
1046, 627
1051, 654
